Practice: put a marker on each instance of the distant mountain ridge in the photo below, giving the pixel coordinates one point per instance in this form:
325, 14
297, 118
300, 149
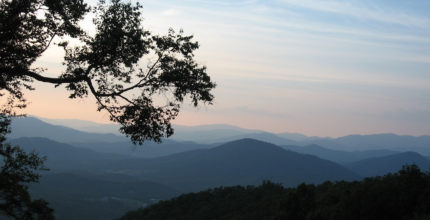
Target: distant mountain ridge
33, 127
378, 166
195, 133
218, 134
420, 144
341, 157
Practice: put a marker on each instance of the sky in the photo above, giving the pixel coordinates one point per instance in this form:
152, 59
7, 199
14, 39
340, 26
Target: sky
316, 67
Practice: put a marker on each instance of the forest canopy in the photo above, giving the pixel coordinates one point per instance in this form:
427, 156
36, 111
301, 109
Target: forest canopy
401, 195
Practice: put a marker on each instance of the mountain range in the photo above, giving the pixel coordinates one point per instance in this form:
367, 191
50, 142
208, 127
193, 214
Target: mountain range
218, 134
95, 171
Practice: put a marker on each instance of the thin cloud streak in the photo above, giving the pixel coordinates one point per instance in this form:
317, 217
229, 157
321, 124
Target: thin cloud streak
361, 12
314, 26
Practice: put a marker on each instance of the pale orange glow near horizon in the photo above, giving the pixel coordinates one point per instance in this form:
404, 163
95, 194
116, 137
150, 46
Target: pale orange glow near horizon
285, 66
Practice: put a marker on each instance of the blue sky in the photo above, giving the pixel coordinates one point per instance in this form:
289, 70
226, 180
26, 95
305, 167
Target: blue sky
326, 68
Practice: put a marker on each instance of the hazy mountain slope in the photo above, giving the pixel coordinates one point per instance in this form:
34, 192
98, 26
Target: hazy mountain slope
299, 137
102, 128
205, 136
388, 164
149, 150
62, 156
337, 156
182, 133
419, 144
33, 127
71, 123
374, 153
342, 157
220, 133
241, 162
329, 144
202, 133
84, 125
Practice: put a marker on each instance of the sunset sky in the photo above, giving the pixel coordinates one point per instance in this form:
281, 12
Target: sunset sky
316, 67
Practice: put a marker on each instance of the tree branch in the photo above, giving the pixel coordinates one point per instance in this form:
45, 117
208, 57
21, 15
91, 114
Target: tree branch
41, 78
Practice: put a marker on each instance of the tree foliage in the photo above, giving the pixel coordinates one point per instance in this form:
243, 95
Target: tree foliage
401, 195
106, 64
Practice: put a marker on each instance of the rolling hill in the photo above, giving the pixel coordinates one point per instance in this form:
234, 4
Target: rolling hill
242, 162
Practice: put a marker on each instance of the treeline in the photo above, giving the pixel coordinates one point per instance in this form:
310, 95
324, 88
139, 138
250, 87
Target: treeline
401, 195
236, 202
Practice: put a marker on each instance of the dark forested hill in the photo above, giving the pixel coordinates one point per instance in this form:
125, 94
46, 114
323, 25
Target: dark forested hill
241, 162
87, 196
402, 195
388, 164
234, 202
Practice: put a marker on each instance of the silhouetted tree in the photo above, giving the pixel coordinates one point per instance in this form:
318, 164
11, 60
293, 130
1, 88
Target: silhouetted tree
104, 65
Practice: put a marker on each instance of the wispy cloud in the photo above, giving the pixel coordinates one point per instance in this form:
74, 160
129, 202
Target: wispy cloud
246, 110
170, 12
286, 20
374, 13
